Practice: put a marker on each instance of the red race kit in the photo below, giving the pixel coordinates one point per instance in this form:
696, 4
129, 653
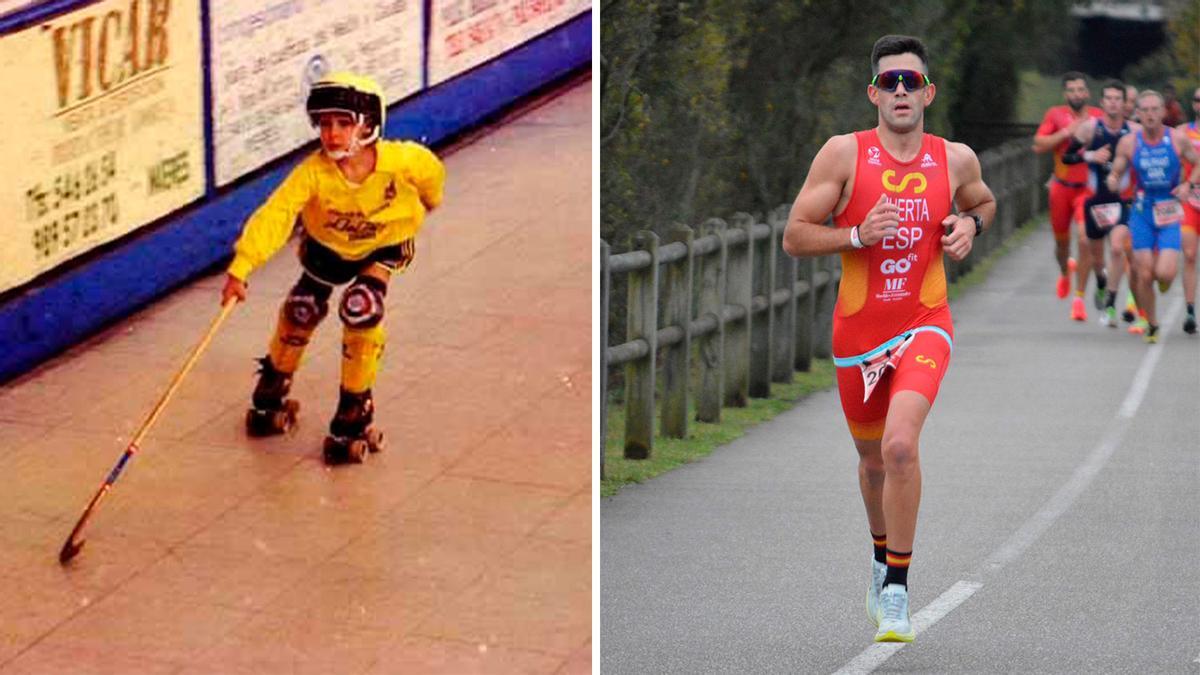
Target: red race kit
892, 329
1191, 206
1068, 187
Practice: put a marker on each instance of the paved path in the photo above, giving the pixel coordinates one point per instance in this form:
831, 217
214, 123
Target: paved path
1058, 529
464, 547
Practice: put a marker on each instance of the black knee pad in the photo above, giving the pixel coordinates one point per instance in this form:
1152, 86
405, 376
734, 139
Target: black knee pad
362, 303
307, 303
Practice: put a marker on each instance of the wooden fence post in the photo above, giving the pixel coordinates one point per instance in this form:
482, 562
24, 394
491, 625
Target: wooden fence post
783, 345
711, 347
738, 275
806, 312
762, 323
826, 299
602, 341
639, 374
677, 311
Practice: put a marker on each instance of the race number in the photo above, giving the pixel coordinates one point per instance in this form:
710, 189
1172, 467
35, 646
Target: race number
1167, 212
1106, 215
873, 369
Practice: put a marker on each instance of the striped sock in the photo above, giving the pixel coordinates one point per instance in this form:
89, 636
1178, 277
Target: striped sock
897, 568
880, 541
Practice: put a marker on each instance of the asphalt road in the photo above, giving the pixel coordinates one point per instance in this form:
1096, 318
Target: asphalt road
1058, 530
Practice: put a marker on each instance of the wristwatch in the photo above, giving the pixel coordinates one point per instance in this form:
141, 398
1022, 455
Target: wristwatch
978, 223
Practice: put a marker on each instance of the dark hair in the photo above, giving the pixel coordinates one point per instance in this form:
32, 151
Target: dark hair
1114, 84
891, 45
1071, 75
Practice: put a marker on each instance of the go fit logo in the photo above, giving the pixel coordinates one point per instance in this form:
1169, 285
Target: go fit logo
901, 266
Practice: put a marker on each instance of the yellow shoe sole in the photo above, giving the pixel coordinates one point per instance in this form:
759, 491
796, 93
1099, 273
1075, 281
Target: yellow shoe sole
893, 636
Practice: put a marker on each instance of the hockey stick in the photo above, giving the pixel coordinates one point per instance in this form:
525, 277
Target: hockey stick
75, 542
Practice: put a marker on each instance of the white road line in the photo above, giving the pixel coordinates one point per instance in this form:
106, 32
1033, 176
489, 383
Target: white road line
872, 657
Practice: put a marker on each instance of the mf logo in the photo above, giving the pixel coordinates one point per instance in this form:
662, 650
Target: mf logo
891, 186
873, 155
894, 283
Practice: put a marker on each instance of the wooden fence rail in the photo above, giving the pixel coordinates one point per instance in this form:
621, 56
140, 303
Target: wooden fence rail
753, 314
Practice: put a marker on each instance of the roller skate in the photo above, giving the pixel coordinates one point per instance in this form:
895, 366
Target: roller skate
351, 437
272, 412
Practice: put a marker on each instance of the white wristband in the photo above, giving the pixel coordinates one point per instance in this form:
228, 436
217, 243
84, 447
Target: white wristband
1088, 155
854, 240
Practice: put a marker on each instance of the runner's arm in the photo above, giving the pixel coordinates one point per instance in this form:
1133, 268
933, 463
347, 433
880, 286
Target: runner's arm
1079, 140
1188, 152
1120, 162
806, 235
1048, 136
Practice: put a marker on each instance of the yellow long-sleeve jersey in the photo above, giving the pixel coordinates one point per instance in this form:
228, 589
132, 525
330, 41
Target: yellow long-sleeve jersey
353, 220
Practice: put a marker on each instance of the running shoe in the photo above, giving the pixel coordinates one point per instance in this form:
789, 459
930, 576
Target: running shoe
1138, 327
1078, 311
894, 623
1109, 317
1151, 334
878, 572
1064, 281
1130, 313
1189, 324
1101, 296
1063, 287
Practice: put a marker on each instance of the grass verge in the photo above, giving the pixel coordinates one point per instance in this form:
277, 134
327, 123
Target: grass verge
703, 438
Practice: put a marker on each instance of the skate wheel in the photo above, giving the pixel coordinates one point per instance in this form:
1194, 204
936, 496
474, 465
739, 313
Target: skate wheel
374, 440
283, 420
259, 423
358, 450
333, 451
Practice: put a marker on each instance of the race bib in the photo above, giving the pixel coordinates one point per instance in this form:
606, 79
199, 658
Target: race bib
874, 369
1167, 212
1106, 215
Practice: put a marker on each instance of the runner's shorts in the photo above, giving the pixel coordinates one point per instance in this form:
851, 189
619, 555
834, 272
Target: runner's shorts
1093, 229
1191, 217
1146, 235
920, 369
1064, 201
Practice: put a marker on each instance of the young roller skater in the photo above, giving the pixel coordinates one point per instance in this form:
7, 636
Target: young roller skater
361, 201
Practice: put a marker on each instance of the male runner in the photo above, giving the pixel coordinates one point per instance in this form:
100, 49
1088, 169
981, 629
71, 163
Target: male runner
1191, 221
1154, 221
1069, 183
891, 190
1101, 212
1131, 94
361, 201
1172, 111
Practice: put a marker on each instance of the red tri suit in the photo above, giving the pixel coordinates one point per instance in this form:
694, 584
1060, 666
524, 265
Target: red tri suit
895, 287
1191, 206
1068, 187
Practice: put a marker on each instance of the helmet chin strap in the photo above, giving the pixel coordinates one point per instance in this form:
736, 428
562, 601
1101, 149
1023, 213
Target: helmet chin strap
355, 143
